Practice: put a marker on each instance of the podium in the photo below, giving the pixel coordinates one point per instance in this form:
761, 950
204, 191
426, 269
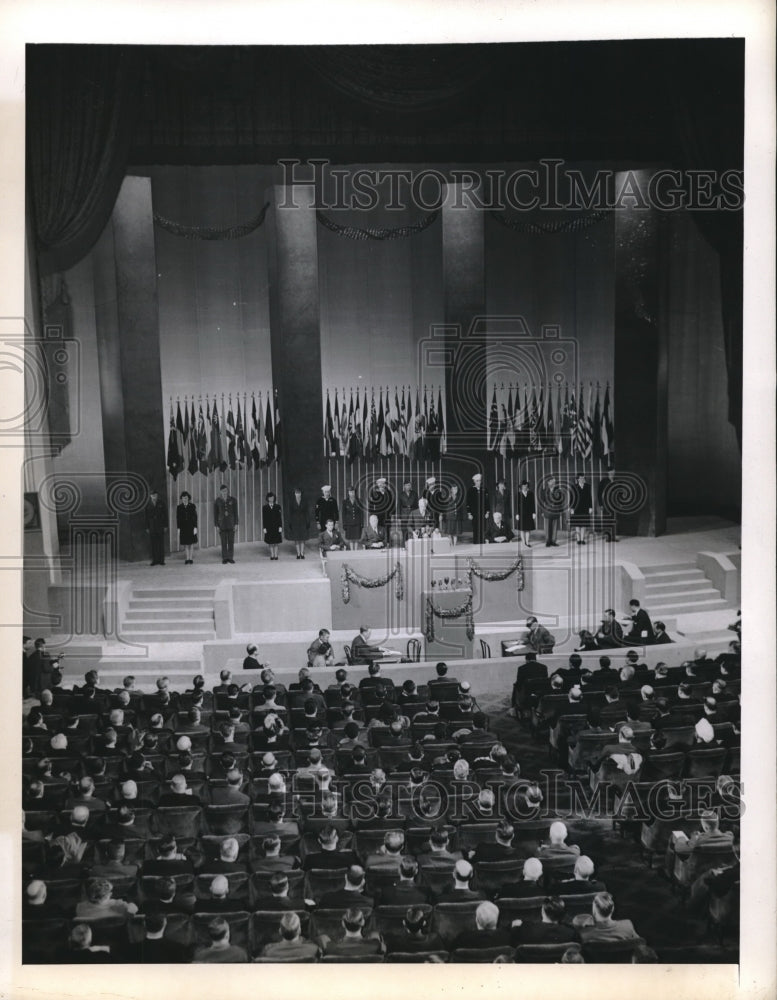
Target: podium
450, 634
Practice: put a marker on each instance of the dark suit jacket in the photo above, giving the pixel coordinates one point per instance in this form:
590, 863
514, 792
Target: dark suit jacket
344, 898
158, 952
403, 894
482, 939
330, 860
538, 932
225, 513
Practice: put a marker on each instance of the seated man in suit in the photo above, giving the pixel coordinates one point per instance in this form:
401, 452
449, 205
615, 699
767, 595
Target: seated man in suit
169, 861
155, 948
389, 855
227, 863
292, 945
502, 850
599, 926
660, 635
351, 895
460, 891
373, 536
641, 631
583, 880
486, 934
406, 892
498, 531
362, 652
610, 633
353, 942
180, 794
218, 899
278, 896
100, 904
320, 652
220, 950
330, 855
272, 859
530, 885
709, 837
557, 849
416, 935
551, 929
330, 539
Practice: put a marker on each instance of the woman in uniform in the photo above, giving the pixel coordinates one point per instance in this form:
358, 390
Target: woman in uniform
353, 518
272, 521
299, 522
186, 522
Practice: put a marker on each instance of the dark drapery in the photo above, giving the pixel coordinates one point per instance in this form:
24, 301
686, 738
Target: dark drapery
708, 120
81, 107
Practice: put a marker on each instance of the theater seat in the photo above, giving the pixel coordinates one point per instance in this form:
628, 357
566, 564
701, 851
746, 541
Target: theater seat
541, 954
389, 919
239, 928
492, 875
529, 908
352, 959
416, 957
226, 819
43, 941
452, 919
482, 955
265, 926
184, 822
611, 952
178, 928
329, 921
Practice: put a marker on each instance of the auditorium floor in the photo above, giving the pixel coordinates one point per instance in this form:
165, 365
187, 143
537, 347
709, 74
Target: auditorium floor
641, 895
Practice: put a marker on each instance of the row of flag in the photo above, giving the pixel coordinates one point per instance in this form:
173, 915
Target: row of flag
572, 424
403, 424
207, 440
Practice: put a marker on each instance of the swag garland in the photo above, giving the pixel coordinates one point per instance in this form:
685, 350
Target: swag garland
575, 225
463, 609
491, 576
395, 233
211, 232
349, 576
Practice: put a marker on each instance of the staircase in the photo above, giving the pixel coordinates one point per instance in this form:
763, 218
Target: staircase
170, 615
678, 590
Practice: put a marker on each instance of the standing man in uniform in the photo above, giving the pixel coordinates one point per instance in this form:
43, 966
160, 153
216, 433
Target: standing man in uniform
606, 493
225, 510
551, 502
478, 508
582, 507
406, 504
156, 526
326, 508
381, 501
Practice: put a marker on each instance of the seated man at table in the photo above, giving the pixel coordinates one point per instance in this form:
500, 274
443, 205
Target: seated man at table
373, 536
537, 639
330, 539
497, 530
361, 650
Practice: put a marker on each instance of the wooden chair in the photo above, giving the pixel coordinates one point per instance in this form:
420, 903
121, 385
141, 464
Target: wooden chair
452, 919
414, 650
485, 649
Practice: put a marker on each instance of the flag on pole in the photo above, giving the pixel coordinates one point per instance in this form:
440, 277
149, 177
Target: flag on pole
584, 427
410, 425
174, 463
261, 440
193, 462
231, 450
608, 430
379, 442
277, 431
216, 442
493, 424
388, 433
185, 432
420, 430
240, 440
202, 443
433, 433
396, 424
342, 428
596, 432
179, 430
336, 427
504, 431
567, 424
354, 430
329, 431
269, 431
253, 435
557, 423
441, 423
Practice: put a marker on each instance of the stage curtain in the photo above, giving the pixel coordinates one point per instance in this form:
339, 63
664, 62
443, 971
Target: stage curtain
708, 121
80, 117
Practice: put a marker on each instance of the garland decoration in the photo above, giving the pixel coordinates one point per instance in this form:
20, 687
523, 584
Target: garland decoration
491, 576
432, 612
349, 576
395, 233
212, 232
575, 225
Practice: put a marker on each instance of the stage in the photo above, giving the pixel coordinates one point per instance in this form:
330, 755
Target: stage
181, 620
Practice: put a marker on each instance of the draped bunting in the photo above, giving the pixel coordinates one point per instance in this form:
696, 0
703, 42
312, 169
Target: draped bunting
493, 576
574, 225
433, 611
348, 575
395, 233
212, 232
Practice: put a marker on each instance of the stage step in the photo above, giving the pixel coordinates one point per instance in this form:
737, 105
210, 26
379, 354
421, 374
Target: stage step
700, 594
162, 614
696, 583
687, 607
